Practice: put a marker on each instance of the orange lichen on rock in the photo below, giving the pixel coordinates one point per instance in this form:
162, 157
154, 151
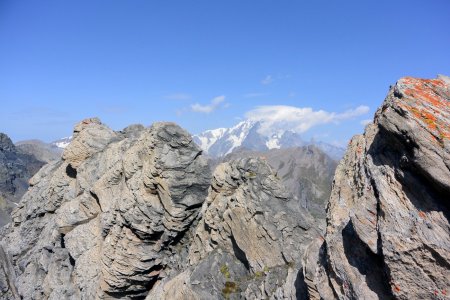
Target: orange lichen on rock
422, 214
426, 100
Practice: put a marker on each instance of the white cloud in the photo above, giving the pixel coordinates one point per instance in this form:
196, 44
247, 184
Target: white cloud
365, 122
279, 117
208, 108
178, 96
267, 80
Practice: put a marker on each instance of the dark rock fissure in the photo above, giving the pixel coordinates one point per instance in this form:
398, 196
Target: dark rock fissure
323, 262
431, 195
301, 289
61, 240
71, 172
369, 264
71, 260
240, 255
96, 198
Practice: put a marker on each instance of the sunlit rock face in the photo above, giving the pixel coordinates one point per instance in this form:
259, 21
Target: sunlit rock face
137, 214
249, 241
388, 233
130, 214
103, 221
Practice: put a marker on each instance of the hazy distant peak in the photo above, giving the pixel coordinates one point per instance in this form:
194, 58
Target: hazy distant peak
248, 134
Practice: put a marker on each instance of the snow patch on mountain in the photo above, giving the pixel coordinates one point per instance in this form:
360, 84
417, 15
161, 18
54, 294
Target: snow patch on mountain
248, 134
63, 142
274, 142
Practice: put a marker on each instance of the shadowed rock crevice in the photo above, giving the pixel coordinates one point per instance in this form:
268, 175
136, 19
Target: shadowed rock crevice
368, 264
397, 152
239, 254
71, 172
301, 289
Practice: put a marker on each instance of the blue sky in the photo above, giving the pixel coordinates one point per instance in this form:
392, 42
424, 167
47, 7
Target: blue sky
208, 64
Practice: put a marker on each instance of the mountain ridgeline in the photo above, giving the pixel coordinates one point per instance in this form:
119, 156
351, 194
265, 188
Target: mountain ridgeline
247, 135
141, 214
16, 168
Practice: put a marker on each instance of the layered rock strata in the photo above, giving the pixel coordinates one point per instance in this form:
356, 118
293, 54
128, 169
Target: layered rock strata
249, 241
108, 219
136, 214
388, 233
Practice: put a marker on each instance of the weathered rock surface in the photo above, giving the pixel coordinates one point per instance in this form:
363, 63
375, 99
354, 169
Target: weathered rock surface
249, 241
307, 173
388, 233
16, 168
108, 219
136, 214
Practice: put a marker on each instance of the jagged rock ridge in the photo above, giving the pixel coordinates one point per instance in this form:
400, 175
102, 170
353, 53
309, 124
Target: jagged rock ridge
307, 173
118, 217
248, 243
103, 221
388, 233
136, 214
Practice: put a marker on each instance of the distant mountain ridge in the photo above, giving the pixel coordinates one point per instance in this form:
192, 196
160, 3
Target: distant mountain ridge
246, 134
45, 152
16, 168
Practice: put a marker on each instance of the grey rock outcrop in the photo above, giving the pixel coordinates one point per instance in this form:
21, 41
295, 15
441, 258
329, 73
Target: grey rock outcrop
136, 214
249, 241
108, 219
307, 173
388, 233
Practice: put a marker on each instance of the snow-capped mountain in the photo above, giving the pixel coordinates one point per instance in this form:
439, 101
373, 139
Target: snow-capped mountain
246, 134
63, 142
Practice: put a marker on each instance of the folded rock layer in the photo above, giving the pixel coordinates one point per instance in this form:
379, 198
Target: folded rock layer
104, 221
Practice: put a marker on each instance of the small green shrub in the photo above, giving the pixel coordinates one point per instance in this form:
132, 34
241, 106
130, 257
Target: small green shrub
230, 288
225, 271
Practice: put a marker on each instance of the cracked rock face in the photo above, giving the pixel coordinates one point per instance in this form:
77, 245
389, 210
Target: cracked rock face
388, 233
249, 241
103, 222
